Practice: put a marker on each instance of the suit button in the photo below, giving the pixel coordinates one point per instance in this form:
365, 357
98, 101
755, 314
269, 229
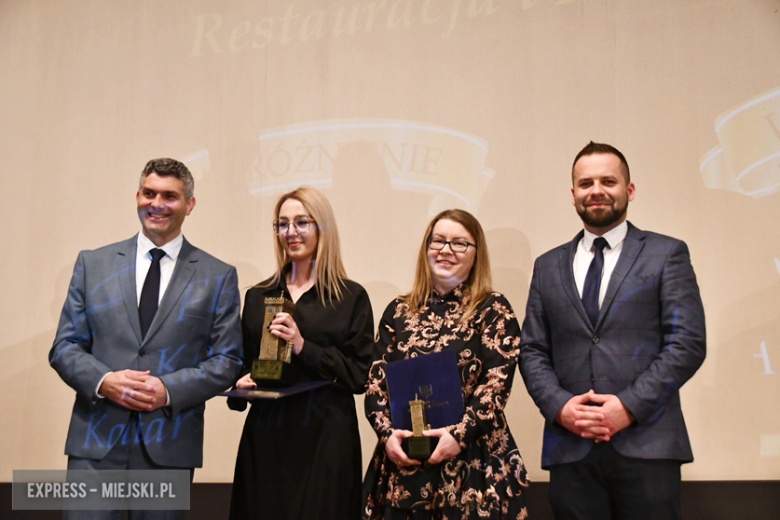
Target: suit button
142, 353
596, 340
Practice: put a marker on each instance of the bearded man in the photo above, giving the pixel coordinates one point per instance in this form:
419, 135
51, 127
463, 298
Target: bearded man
614, 327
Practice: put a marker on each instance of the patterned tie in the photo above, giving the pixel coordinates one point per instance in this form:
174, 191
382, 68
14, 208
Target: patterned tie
590, 293
150, 293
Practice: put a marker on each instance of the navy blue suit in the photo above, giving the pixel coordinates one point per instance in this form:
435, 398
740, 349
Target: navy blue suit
648, 341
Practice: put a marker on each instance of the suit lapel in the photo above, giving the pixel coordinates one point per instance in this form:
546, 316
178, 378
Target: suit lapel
182, 274
566, 262
125, 266
632, 246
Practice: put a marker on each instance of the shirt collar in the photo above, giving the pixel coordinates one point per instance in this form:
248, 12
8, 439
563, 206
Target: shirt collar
172, 248
613, 237
455, 295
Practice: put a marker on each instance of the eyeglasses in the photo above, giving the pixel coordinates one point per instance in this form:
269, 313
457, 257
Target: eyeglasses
456, 246
301, 225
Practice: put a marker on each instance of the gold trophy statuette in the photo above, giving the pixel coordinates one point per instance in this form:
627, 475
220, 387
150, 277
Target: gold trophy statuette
419, 445
275, 353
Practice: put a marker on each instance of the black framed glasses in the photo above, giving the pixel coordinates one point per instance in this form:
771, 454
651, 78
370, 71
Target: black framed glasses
456, 246
301, 225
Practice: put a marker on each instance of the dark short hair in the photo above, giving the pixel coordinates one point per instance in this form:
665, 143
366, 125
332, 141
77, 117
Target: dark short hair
170, 167
592, 148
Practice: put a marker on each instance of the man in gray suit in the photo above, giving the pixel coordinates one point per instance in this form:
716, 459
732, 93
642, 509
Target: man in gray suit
613, 328
149, 331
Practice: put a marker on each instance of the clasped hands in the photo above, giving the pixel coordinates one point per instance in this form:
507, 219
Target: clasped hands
599, 423
139, 391
446, 449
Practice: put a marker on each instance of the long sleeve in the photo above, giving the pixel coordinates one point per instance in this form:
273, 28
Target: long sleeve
536, 364
345, 361
220, 363
251, 351
376, 403
684, 340
71, 354
489, 376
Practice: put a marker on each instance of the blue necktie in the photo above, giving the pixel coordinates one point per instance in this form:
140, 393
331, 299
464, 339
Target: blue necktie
150, 293
590, 293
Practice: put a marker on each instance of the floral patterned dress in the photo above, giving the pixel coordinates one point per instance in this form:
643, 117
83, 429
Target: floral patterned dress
486, 479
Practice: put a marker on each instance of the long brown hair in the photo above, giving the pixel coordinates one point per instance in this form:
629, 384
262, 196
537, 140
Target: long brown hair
479, 282
328, 267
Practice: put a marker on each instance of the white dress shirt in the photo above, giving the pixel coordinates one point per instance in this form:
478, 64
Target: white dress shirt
586, 251
143, 260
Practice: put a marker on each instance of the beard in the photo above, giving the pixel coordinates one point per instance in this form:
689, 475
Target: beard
602, 218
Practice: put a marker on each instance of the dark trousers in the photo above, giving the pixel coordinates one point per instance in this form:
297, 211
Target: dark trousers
605, 485
129, 455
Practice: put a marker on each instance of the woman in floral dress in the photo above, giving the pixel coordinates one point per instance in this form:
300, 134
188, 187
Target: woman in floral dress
475, 471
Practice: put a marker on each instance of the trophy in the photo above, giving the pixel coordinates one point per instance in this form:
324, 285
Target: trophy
419, 446
275, 353
424, 391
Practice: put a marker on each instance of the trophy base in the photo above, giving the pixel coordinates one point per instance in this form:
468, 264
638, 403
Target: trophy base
269, 371
420, 448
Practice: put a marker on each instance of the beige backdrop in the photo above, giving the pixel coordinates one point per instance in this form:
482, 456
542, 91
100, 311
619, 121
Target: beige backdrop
396, 109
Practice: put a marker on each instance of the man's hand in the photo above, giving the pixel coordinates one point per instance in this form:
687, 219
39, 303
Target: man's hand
159, 393
139, 391
581, 419
599, 423
615, 416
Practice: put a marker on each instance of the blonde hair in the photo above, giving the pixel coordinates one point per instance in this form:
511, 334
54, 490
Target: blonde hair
329, 270
479, 282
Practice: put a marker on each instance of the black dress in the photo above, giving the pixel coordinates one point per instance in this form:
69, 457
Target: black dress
485, 481
299, 457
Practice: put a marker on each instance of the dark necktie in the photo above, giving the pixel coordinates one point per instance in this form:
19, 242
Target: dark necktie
150, 293
590, 293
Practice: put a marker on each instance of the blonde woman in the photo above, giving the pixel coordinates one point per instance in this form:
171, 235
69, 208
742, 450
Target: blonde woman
299, 457
475, 471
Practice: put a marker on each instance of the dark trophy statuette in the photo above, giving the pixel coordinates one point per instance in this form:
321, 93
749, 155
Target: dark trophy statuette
275, 353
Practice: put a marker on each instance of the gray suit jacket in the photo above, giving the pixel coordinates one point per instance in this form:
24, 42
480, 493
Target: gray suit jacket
193, 345
648, 341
